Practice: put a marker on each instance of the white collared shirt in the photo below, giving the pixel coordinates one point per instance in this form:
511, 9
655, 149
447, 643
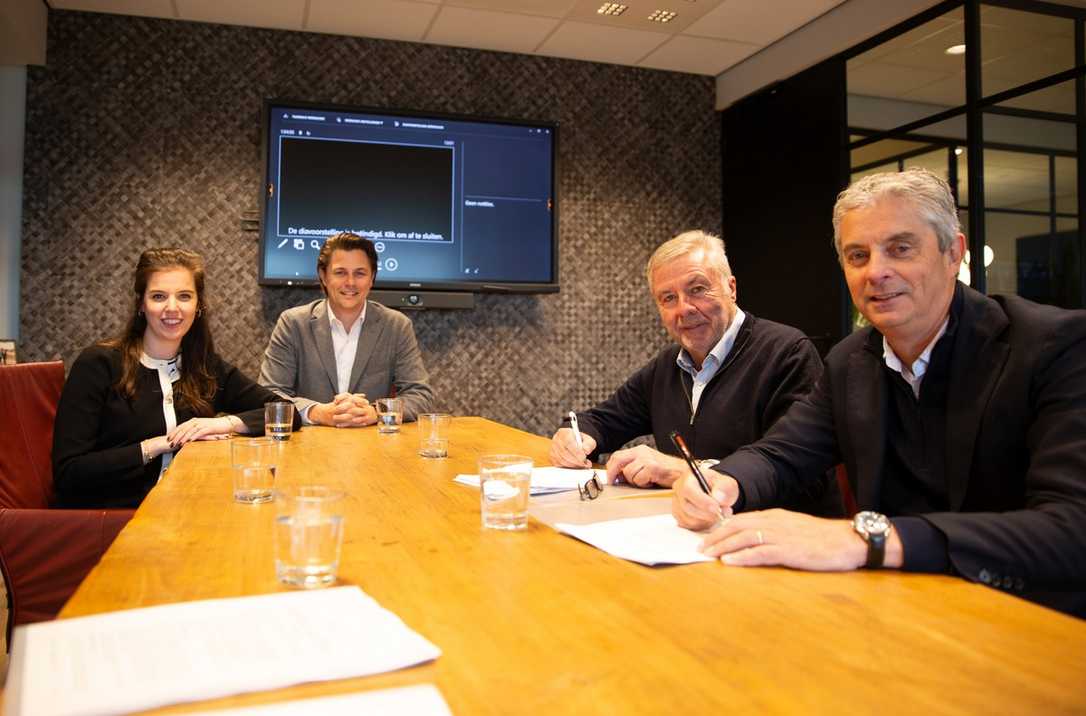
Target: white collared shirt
914, 374
344, 349
345, 346
169, 372
712, 362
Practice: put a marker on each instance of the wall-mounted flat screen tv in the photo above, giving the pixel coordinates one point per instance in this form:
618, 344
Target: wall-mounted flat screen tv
452, 203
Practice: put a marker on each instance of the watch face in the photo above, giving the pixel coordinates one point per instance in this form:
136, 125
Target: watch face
868, 523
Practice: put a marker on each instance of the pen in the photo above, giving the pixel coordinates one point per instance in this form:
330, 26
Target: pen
576, 430
680, 444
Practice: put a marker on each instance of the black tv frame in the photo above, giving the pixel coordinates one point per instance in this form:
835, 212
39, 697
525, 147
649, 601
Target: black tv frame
404, 289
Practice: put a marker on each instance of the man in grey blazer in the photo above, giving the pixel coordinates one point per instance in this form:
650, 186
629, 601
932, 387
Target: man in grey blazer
333, 356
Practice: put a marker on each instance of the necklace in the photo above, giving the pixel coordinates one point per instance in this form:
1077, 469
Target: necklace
689, 400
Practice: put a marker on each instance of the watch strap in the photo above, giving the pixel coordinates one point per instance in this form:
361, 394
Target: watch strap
876, 538
876, 550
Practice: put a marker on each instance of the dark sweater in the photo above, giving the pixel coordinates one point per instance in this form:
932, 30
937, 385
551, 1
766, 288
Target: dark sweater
769, 367
96, 437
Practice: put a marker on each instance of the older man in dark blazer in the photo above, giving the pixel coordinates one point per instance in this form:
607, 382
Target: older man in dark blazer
334, 356
961, 419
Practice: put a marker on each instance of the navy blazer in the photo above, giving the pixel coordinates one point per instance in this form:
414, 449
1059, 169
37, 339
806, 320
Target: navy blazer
1016, 444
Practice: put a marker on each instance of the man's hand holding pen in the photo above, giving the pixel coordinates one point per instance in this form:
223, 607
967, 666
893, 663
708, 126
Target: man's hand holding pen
696, 510
566, 453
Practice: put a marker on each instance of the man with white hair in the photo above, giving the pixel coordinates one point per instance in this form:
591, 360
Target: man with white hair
728, 377
961, 419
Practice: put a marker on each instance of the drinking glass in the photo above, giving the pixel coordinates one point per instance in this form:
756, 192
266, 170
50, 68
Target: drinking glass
254, 461
308, 535
278, 419
389, 415
504, 486
434, 434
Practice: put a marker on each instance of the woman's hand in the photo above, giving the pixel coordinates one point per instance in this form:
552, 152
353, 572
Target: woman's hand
200, 429
153, 447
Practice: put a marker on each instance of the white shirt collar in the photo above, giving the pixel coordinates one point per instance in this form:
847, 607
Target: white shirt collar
336, 323
171, 367
719, 352
913, 374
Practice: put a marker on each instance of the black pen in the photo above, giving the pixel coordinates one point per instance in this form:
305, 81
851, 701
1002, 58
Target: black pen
680, 445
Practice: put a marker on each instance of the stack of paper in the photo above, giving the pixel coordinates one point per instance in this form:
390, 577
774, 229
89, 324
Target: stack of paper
545, 480
143, 658
649, 540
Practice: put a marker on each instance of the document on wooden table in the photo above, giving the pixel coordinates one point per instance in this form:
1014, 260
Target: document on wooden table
545, 480
422, 700
142, 658
652, 540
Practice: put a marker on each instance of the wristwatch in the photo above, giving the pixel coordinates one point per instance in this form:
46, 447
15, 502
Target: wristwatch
707, 465
874, 528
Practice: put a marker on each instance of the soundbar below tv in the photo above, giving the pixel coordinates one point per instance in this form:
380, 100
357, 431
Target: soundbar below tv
452, 203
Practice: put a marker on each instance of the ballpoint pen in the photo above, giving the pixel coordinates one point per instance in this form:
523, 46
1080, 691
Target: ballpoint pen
576, 430
680, 445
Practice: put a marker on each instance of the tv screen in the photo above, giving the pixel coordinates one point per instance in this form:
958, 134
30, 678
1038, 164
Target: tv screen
451, 203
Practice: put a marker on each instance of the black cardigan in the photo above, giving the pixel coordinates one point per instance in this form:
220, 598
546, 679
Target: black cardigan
769, 367
97, 460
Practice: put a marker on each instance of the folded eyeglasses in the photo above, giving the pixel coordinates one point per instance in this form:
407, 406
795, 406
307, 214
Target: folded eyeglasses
591, 489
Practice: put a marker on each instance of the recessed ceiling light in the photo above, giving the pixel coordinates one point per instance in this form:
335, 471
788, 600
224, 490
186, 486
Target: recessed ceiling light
611, 8
662, 16
955, 50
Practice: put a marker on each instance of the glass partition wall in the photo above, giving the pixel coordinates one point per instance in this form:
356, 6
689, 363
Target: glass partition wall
990, 95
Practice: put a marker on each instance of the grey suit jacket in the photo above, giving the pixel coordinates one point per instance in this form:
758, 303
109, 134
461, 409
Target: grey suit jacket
300, 364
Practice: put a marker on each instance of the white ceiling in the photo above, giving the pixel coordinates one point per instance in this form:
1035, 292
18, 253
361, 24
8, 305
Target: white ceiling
914, 75
1016, 48
706, 37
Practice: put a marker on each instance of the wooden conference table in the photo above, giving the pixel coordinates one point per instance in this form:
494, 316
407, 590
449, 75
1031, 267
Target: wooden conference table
537, 622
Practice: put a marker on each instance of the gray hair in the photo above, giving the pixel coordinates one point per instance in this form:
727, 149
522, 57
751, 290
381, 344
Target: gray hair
686, 243
927, 191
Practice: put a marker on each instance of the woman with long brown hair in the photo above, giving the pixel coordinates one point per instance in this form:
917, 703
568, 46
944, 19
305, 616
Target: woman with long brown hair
130, 402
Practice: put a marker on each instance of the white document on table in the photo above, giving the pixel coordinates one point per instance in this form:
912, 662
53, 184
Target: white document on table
422, 700
545, 480
142, 658
656, 539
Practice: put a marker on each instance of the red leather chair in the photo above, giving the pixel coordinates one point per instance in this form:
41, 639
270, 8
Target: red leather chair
44, 553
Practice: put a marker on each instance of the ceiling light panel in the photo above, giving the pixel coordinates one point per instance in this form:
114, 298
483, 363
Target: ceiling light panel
636, 14
662, 16
613, 9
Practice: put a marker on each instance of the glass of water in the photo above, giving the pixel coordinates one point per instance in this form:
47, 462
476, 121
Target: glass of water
504, 486
308, 535
434, 434
389, 415
254, 461
278, 419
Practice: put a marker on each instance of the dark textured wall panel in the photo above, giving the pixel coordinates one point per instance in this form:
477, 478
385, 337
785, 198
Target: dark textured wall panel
146, 133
